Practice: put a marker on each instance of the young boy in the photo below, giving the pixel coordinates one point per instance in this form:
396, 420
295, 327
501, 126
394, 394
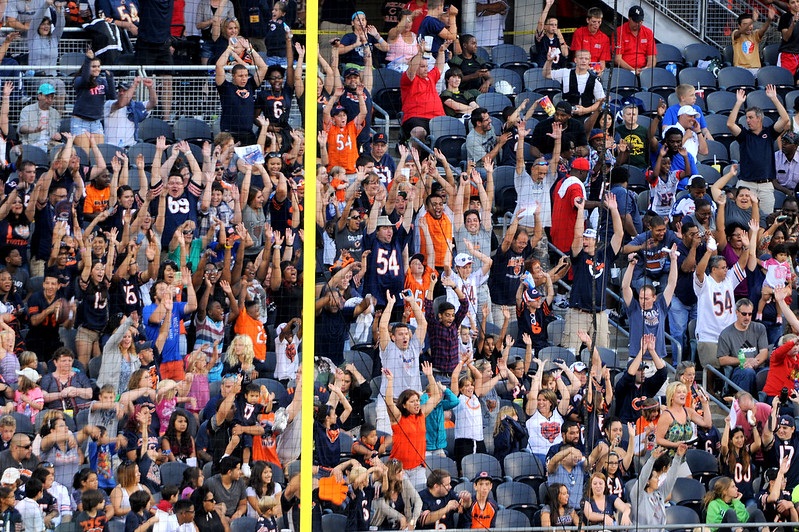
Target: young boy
137, 518
266, 519
364, 448
92, 518
248, 409
106, 412
746, 40
342, 134
8, 426
639, 141
164, 511
686, 95
771, 496
29, 509
483, 511
99, 451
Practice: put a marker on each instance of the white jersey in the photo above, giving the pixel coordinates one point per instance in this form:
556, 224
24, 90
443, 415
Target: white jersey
663, 193
715, 307
489, 29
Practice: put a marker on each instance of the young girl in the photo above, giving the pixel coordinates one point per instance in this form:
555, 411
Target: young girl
197, 366
168, 399
193, 478
28, 397
723, 505
558, 512
510, 436
779, 273
239, 360
9, 363
326, 423
177, 443
262, 484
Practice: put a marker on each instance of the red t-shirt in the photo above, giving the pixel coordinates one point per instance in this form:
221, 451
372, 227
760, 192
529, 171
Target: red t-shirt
409, 439
598, 44
635, 49
564, 214
413, 6
419, 96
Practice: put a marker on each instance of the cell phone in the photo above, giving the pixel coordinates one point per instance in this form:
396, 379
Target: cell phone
234, 40
784, 395
406, 293
406, 172
558, 361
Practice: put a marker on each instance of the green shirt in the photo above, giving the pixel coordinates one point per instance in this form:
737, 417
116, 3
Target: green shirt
717, 508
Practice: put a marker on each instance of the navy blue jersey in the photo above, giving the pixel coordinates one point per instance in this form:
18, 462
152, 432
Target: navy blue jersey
238, 106
92, 312
157, 17
275, 106
384, 269
178, 210
127, 10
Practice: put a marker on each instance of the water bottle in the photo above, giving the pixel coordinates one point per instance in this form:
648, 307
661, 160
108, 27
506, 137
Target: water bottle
672, 67
741, 358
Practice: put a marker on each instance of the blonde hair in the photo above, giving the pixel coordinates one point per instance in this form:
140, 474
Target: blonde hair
684, 89
193, 360
227, 23
505, 411
24, 384
26, 358
266, 503
248, 354
163, 393
671, 390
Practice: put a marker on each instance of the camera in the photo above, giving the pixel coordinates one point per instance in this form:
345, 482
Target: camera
784, 396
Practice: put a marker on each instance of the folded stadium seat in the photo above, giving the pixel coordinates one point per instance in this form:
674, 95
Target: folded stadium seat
151, 128
758, 98
780, 77
192, 130
771, 54
698, 52
517, 496
473, 464
658, 80
522, 466
704, 466
650, 101
503, 181
532, 77
681, 515
716, 154
699, 78
688, 492
733, 78
720, 102
446, 126
710, 174
511, 57
637, 182
717, 125
669, 54
619, 80
442, 462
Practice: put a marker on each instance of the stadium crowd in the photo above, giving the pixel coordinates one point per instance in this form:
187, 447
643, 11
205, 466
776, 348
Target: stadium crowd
475, 277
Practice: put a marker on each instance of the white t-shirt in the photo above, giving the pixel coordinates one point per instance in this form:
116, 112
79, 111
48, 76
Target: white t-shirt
469, 418
715, 308
663, 194
544, 433
286, 353
119, 130
529, 192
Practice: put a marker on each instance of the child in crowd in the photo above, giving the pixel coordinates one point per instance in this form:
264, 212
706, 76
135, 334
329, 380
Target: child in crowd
779, 273
28, 397
167, 391
92, 518
99, 451
8, 426
197, 365
686, 95
289, 336
266, 519
139, 515
106, 412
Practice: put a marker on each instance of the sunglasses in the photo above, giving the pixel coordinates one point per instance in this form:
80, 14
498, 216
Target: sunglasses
25, 446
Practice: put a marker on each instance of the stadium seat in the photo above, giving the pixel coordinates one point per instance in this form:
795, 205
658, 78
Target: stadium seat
717, 125
549, 87
762, 374
658, 80
532, 77
24, 423
710, 174
517, 496
511, 57
720, 102
442, 462
511, 76
637, 182
651, 101
71, 63
779, 197
511, 519
667, 53
345, 443
681, 515
771, 53
503, 180
94, 367
82, 419
152, 128
524, 467
696, 52
276, 387
553, 353
474, 464
493, 102
733, 78
717, 154
704, 466
35, 155
758, 98
108, 151
362, 362
780, 77
555, 331
172, 473
445, 126
619, 80
483, 55
688, 492
698, 77
330, 523
192, 130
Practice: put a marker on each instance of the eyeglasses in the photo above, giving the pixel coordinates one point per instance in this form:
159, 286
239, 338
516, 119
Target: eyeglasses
25, 446
275, 78
210, 500
45, 464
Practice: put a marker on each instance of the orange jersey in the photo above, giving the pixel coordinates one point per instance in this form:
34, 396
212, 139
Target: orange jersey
418, 289
265, 447
440, 233
483, 518
342, 146
255, 330
96, 200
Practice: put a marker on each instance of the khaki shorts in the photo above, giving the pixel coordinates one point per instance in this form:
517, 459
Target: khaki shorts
87, 336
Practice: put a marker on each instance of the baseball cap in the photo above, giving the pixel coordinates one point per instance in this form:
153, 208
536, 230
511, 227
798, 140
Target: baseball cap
596, 133
383, 221
531, 294
564, 106
483, 475
771, 473
30, 374
143, 346
589, 233
338, 110
697, 181
124, 85
351, 71
417, 256
11, 184
10, 476
581, 163
786, 421
790, 138
687, 110
578, 366
380, 137
46, 88
462, 259
636, 14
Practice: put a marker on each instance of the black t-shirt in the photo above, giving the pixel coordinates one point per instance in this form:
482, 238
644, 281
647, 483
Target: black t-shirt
47, 331
468, 66
156, 20
790, 46
238, 106
275, 39
93, 306
591, 277
757, 154
574, 132
506, 272
359, 508
275, 106
534, 324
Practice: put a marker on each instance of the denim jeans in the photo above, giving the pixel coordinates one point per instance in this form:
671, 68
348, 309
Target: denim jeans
745, 378
679, 316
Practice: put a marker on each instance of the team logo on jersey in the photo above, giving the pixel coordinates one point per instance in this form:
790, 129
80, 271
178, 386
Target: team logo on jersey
243, 93
550, 431
596, 270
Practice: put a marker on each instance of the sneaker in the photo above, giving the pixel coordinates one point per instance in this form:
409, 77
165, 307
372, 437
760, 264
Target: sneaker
561, 302
281, 420
245, 470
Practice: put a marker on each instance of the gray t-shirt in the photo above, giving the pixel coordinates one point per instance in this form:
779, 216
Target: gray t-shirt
751, 341
231, 498
404, 366
477, 145
254, 221
733, 213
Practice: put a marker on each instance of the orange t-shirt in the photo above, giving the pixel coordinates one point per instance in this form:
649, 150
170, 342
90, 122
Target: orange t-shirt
418, 289
265, 447
409, 441
96, 200
440, 233
341, 195
255, 330
342, 146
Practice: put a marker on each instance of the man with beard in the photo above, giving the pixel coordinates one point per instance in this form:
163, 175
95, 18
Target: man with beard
353, 78
590, 264
790, 208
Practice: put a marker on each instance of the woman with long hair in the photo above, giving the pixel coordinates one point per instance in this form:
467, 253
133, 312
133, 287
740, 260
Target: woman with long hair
86, 479
601, 507
402, 45
558, 512
261, 483
611, 442
91, 91
510, 436
128, 482
397, 505
207, 515
120, 360
723, 505
193, 479
240, 359
545, 413
737, 459
176, 442
468, 413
